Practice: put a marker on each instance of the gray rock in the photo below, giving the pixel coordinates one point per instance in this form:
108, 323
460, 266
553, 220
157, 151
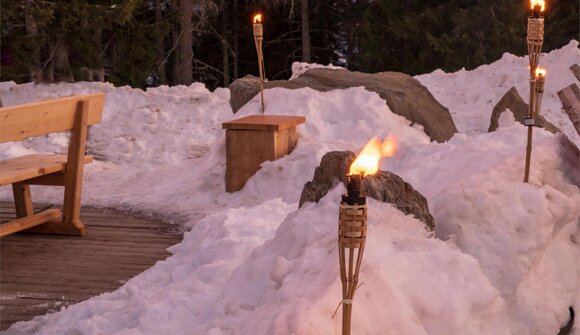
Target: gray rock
331, 171
243, 90
388, 187
383, 186
512, 101
404, 95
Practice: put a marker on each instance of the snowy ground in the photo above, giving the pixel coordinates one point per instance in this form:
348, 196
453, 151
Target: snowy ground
505, 256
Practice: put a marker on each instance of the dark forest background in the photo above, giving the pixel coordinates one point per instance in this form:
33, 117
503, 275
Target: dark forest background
183, 41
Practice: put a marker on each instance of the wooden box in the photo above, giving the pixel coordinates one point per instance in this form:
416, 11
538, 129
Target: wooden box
254, 139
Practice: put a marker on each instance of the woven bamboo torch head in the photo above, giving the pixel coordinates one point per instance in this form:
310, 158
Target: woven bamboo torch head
536, 30
258, 28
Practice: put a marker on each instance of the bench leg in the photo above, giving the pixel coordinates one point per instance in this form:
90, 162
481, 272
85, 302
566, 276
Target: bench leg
73, 179
33, 223
22, 200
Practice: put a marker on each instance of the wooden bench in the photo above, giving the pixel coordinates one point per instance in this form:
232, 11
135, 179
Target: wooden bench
37, 119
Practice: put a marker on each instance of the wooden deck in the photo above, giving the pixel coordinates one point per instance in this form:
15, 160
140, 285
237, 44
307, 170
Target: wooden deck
40, 274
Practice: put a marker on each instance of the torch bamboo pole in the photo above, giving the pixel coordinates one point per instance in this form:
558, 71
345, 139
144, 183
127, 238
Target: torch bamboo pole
351, 236
530, 133
258, 39
528, 154
535, 40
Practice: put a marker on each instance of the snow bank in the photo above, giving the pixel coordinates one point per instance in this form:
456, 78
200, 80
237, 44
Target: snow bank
504, 260
471, 95
299, 68
163, 125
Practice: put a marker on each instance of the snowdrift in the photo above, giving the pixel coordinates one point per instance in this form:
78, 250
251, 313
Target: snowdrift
504, 259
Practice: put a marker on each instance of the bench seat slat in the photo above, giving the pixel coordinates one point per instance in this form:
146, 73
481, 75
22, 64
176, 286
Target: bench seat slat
26, 167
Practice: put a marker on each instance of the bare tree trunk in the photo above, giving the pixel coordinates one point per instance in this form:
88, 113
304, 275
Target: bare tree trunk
31, 32
225, 50
235, 21
305, 32
186, 43
50, 67
175, 61
100, 72
62, 63
160, 45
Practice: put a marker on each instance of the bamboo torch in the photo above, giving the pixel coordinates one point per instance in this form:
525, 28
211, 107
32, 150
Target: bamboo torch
258, 39
535, 41
352, 234
352, 221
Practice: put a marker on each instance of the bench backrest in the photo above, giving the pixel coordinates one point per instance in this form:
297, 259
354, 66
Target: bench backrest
44, 117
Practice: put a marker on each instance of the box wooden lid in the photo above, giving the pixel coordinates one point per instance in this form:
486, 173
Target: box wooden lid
264, 122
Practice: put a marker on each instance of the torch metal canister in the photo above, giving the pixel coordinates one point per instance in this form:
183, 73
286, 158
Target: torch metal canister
258, 39
352, 232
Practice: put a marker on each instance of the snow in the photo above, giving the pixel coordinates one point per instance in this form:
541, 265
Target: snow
300, 68
504, 258
471, 95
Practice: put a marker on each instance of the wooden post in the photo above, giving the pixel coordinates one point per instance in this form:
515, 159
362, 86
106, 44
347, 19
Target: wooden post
74, 172
22, 200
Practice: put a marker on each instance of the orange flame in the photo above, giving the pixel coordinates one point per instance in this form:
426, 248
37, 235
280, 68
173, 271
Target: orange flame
258, 18
540, 3
540, 72
367, 162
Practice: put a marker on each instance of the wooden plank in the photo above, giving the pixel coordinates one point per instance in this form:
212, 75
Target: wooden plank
264, 122
103, 250
39, 273
138, 261
570, 98
103, 267
45, 117
575, 68
73, 288
26, 167
29, 221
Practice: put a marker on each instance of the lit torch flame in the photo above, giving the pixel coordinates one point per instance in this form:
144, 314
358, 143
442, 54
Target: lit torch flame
258, 19
540, 3
367, 162
540, 72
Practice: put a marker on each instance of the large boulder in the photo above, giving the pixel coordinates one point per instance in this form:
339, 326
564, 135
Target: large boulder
404, 95
512, 101
383, 186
